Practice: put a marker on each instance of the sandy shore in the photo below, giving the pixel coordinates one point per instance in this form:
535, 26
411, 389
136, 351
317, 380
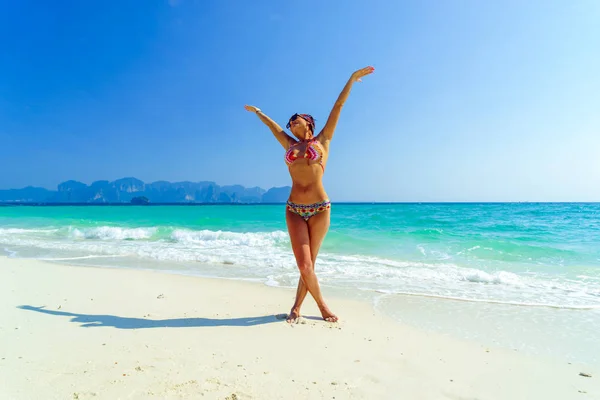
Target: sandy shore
90, 333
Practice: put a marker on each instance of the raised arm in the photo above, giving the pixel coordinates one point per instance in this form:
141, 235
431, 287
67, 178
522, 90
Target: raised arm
282, 137
329, 128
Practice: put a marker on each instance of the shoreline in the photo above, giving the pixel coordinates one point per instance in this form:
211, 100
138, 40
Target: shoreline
142, 334
558, 333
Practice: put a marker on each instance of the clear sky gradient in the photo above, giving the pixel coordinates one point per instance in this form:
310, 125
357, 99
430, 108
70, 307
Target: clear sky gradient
470, 100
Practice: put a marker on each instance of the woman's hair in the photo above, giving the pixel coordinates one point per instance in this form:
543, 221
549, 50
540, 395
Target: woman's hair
311, 121
307, 117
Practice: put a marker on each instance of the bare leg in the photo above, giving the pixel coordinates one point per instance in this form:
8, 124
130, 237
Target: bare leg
318, 226
300, 295
305, 237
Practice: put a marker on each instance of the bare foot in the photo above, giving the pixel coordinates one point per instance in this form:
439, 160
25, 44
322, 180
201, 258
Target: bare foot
328, 315
294, 316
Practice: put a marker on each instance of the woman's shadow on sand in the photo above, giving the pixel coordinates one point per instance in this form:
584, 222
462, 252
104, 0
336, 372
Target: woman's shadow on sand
92, 320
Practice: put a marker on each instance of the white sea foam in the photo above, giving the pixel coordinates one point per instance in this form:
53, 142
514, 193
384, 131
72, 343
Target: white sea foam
17, 231
10, 253
595, 278
224, 238
267, 256
89, 257
112, 233
497, 278
506, 302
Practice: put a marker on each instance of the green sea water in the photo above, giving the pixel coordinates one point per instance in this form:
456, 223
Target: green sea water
524, 256
517, 253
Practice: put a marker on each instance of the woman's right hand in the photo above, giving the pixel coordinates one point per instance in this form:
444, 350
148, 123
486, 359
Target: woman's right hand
252, 108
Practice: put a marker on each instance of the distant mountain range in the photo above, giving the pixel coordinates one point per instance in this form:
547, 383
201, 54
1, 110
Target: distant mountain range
126, 189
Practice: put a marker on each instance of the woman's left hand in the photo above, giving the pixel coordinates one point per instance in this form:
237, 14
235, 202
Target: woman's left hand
357, 75
252, 108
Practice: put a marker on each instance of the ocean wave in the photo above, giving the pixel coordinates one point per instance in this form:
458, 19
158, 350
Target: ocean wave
496, 278
111, 233
492, 301
267, 256
16, 231
88, 257
10, 253
225, 238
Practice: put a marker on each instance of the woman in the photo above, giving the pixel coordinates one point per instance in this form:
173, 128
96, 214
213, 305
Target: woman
308, 207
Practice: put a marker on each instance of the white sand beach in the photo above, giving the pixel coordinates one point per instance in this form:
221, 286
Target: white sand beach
71, 332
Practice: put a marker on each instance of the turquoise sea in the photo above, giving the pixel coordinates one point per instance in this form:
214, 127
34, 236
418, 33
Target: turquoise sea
530, 271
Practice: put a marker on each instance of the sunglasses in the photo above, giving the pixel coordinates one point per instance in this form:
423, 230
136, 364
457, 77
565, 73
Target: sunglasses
305, 117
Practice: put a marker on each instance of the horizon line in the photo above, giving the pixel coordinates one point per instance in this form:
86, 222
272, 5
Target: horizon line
41, 204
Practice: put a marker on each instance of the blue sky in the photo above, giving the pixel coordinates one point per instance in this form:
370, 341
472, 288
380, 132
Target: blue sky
470, 100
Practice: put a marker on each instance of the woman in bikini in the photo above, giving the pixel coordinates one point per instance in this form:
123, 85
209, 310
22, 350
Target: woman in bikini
308, 207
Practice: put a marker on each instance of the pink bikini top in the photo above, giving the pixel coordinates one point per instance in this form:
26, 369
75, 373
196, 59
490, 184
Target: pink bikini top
314, 152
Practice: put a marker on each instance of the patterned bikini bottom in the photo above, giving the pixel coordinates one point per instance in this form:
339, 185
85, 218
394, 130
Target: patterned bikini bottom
308, 210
